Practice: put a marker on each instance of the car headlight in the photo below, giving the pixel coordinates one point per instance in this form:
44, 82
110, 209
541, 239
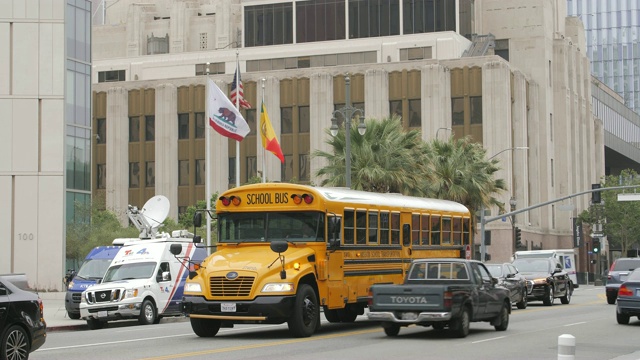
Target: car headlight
278, 287
540, 281
192, 287
131, 293
70, 285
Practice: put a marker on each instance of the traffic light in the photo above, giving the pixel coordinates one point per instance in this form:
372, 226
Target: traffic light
595, 196
487, 257
518, 237
596, 246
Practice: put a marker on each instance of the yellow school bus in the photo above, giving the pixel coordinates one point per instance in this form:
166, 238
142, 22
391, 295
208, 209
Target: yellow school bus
286, 250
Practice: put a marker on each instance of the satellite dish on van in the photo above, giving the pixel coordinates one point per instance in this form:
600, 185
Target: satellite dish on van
156, 210
150, 218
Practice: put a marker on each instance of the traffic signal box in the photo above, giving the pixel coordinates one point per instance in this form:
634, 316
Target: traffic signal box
518, 232
596, 246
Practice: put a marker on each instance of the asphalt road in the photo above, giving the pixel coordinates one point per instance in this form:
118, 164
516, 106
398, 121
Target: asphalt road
533, 334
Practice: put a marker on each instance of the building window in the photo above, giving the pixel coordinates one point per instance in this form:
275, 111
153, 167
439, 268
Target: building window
200, 126
425, 16
457, 111
183, 126
418, 53
134, 129
395, 108
232, 170
286, 120
157, 44
252, 167
373, 18
101, 131
502, 48
101, 176
286, 168
251, 121
150, 179
304, 173
112, 75
149, 128
134, 175
183, 172
200, 171
320, 20
270, 24
304, 118
476, 109
214, 68
415, 113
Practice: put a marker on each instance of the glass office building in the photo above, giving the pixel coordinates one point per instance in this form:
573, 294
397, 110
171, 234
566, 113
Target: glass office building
613, 43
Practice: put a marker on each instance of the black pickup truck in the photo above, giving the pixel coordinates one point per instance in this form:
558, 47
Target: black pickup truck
441, 293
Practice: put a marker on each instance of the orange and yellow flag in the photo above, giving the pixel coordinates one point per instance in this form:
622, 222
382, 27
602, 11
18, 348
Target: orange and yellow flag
269, 140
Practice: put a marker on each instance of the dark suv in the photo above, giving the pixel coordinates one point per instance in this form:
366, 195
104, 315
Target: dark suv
546, 279
620, 269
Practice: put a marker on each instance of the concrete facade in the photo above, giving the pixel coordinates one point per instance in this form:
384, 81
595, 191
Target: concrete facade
540, 98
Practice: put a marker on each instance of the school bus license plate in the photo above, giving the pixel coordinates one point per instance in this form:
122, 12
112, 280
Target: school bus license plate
228, 307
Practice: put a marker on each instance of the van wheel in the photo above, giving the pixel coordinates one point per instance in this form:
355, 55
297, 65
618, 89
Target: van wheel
148, 313
205, 327
95, 324
73, 316
548, 296
567, 296
460, 325
391, 329
306, 312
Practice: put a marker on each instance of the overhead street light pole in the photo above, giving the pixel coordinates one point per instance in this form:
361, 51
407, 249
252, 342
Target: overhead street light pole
483, 247
347, 112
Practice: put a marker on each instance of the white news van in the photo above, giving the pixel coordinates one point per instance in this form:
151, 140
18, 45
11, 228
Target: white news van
566, 257
145, 280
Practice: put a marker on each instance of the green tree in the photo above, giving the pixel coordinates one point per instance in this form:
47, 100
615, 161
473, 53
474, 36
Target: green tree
458, 170
385, 159
619, 218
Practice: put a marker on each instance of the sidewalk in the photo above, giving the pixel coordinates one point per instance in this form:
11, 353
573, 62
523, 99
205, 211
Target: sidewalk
57, 319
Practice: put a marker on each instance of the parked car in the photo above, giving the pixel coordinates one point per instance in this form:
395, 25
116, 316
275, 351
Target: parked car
510, 279
629, 298
546, 280
618, 272
22, 325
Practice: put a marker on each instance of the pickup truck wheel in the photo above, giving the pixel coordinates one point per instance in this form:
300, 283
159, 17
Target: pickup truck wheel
623, 319
391, 329
94, 324
306, 312
205, 327
331, 315
503, 318
522, 304
460, 325
567, 296
148, 313
548, 296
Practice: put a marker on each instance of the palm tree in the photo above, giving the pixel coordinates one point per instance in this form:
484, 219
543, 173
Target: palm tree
458, 170
385, 159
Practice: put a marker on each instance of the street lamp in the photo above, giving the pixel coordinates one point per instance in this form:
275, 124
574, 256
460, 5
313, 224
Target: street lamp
442, 128
347, 113
483, 248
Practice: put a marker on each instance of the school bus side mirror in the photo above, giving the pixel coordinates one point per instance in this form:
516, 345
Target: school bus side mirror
197, 219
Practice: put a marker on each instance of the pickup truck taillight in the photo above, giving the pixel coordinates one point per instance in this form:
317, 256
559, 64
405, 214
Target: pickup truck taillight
448, 299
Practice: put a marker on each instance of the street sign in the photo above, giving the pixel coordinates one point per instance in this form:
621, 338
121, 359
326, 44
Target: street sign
467, 252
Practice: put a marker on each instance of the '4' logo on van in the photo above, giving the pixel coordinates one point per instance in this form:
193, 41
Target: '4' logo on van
143, 251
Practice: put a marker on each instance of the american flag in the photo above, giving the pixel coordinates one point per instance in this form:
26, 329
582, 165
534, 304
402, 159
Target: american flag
234, 90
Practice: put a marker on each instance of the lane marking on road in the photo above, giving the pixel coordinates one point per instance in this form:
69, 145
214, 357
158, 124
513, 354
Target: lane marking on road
578, 323
485, 340
263, 345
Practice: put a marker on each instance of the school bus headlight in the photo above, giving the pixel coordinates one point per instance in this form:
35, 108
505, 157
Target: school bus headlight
296, 266
192, 287
278, 287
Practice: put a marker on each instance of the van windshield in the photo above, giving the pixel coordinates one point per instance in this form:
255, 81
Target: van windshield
142, 270
300, 226
93, 269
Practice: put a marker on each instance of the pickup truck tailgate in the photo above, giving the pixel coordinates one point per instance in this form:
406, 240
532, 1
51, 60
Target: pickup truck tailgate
405, 297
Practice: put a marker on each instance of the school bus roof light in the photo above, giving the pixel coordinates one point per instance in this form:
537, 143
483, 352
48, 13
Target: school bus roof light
297, 199
308, 198
225, 200
235, 200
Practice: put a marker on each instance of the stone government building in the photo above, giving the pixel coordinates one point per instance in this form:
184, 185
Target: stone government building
522, 81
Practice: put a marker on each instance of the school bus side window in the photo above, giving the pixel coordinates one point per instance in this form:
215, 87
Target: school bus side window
385, 225
349, 222
415, 229
457, 231
373, 227
435, 230
425, 229
395, 228
361, 227
446, 230
466, 237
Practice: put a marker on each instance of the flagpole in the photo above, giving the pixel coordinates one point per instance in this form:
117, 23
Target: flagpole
264, 151
207, 164
237, 107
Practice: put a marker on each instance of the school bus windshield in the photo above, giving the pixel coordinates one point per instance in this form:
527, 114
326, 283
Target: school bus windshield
300, 226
